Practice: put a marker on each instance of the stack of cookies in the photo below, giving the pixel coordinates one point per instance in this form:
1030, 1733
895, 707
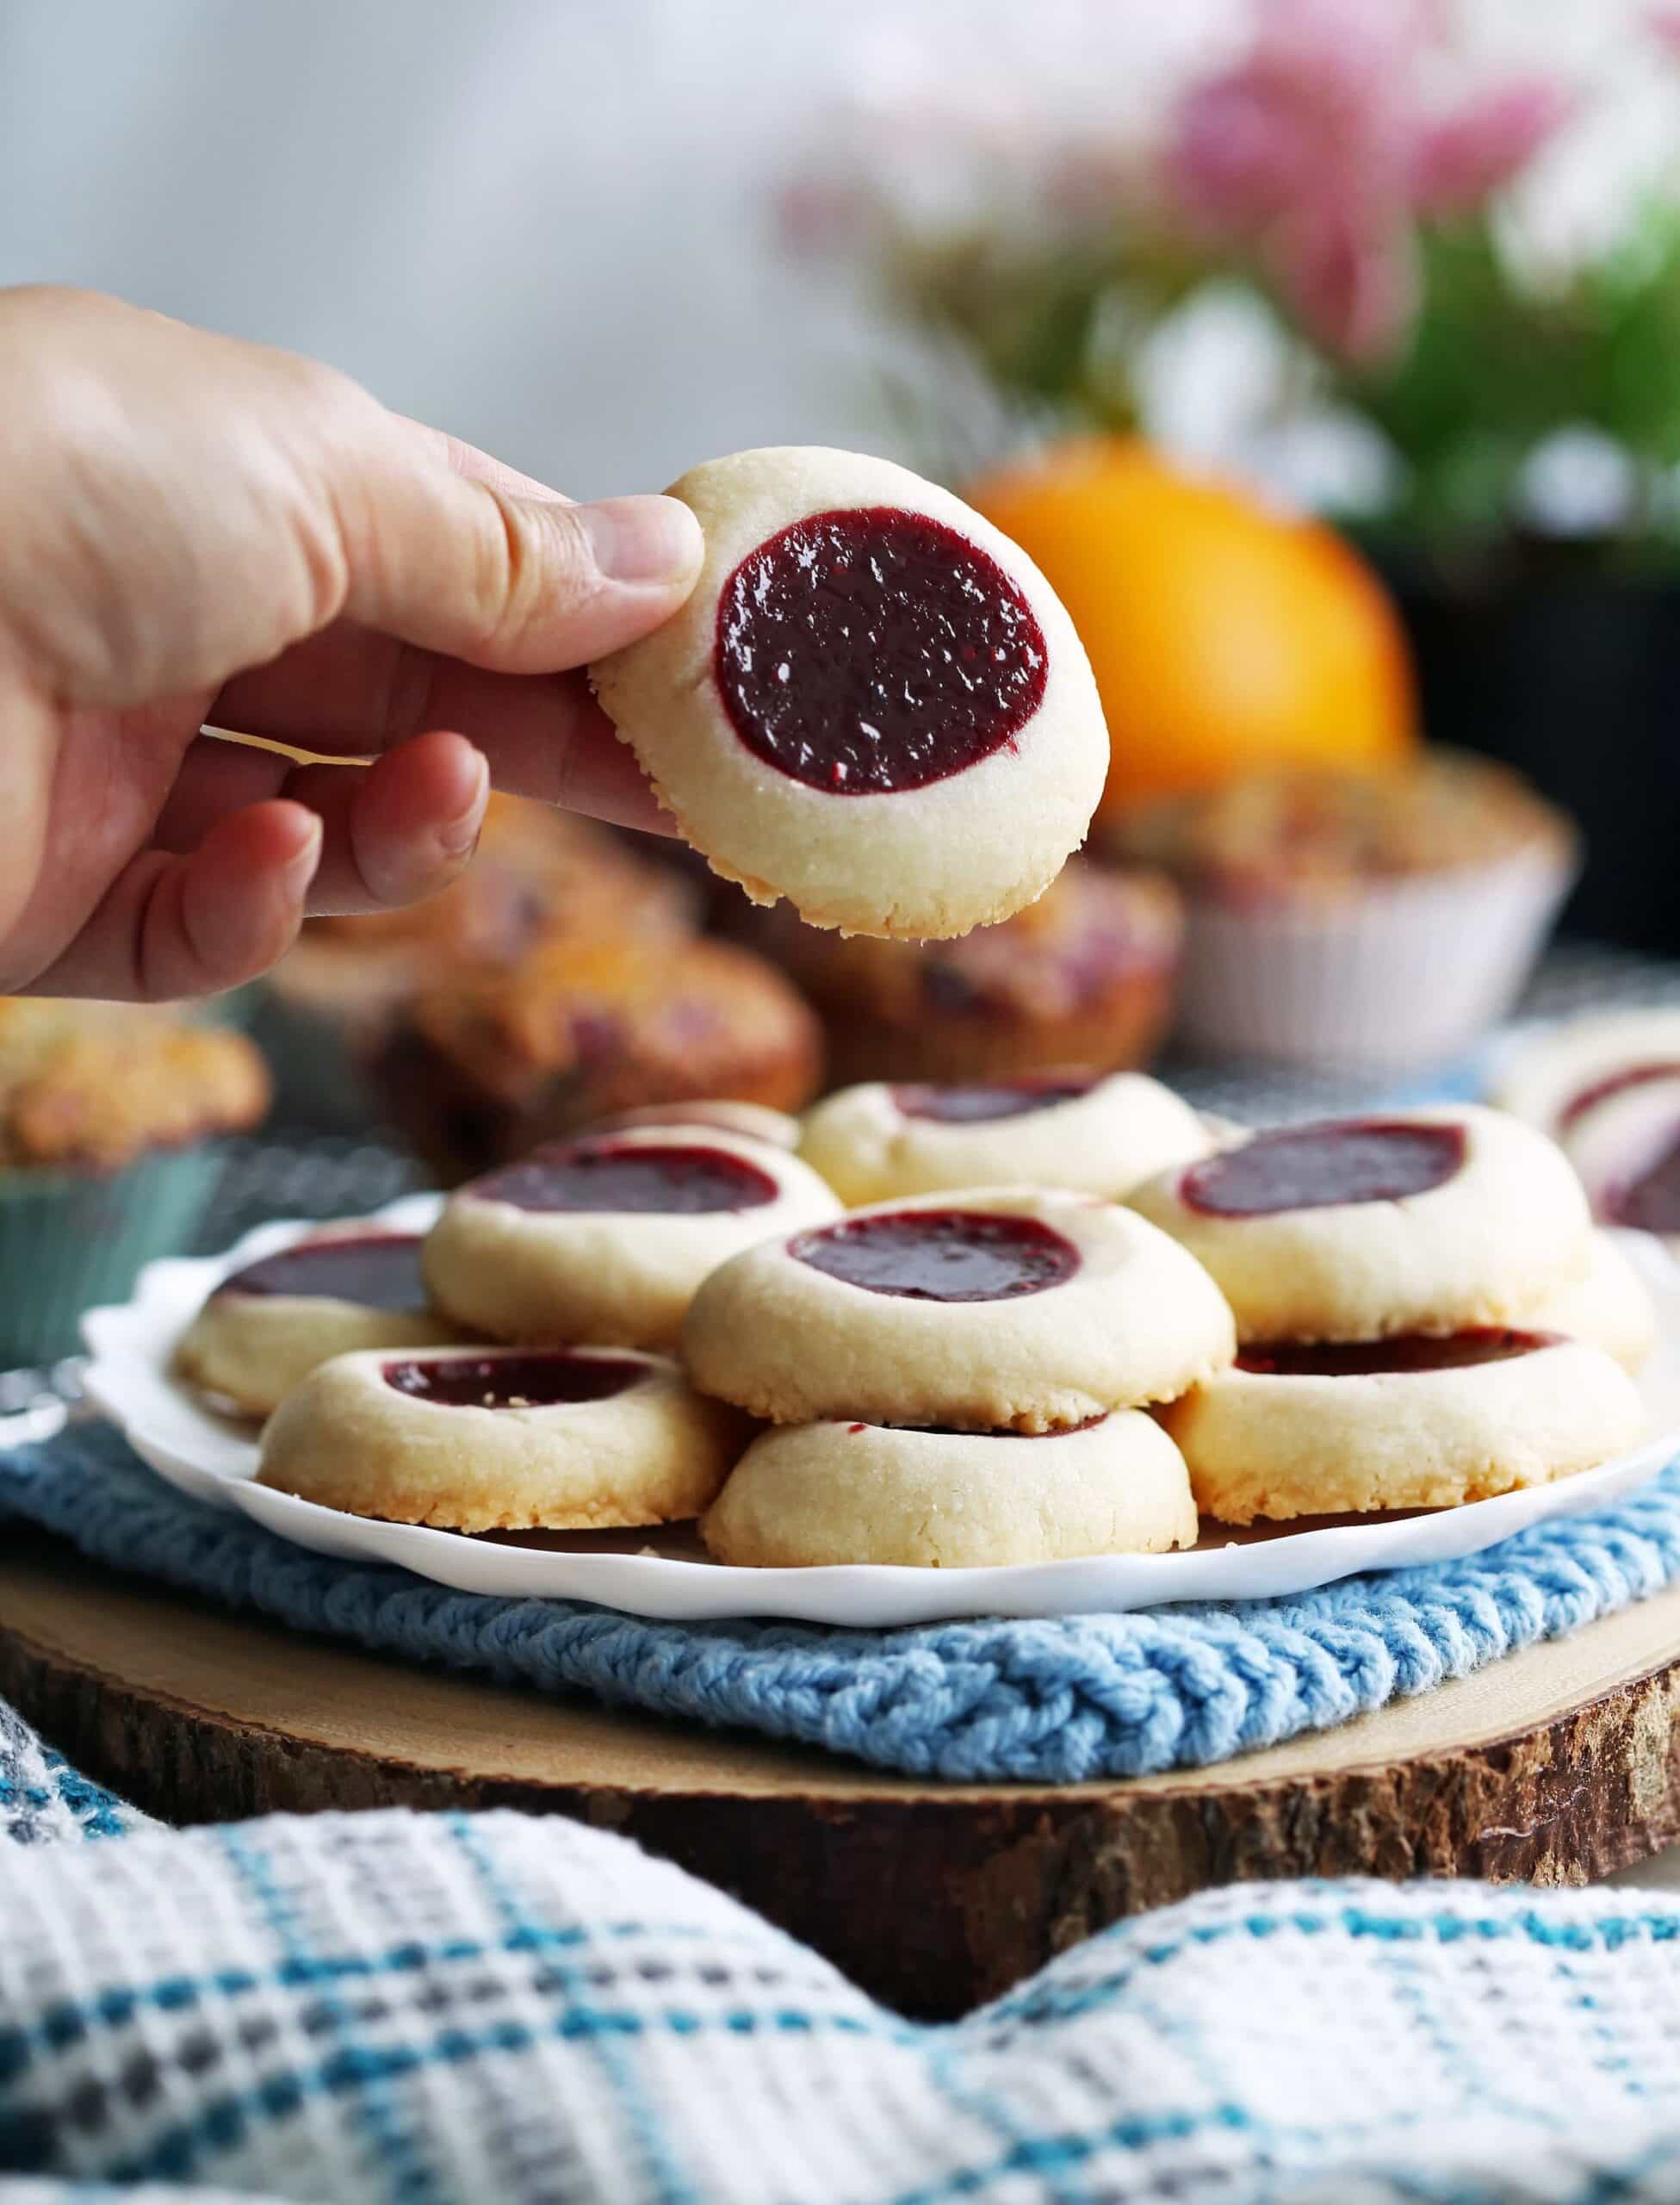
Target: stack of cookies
532, 1392
956, 1380
1418, 1300
1065, 1316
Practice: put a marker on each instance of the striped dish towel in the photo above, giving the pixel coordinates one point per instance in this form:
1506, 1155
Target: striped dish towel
398, 2009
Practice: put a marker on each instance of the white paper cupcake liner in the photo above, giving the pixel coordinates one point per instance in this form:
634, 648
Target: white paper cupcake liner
1402, 974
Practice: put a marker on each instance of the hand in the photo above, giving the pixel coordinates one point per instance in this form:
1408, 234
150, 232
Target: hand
196, 531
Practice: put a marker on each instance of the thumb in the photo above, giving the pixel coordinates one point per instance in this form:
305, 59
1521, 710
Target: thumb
476, 569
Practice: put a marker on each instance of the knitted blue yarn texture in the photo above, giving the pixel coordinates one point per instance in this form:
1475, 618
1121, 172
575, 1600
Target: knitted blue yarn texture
1052, 1701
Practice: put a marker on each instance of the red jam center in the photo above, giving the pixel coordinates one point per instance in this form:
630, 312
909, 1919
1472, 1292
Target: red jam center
1614, 1083
375, 1270
1375, 1358
940, 1255
680, 1180
866, 651
966, 1432
1314, 1167
975, 1106
1652, 1202
513, 1382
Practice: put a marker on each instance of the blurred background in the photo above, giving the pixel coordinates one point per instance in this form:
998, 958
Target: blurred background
1324, 353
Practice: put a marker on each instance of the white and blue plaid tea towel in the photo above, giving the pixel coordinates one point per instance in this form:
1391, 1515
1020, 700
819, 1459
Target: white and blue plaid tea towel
398, 2009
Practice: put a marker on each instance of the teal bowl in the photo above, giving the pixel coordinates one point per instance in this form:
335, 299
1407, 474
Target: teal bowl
70, 1241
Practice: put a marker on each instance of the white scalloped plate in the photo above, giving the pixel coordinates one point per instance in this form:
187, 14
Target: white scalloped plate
667, 1574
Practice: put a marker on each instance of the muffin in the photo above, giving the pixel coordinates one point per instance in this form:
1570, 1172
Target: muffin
327, 1007
108, 1114
488, 1062
1357, 919
1084, 975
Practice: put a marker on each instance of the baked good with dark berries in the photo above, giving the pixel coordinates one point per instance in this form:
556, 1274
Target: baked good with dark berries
111, 1115
327, 1007
1085, 976
488, 1063
1357, 918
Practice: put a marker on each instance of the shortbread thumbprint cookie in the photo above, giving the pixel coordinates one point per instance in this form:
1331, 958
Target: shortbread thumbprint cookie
487, 1439
1354, 1228
266, 1327
995, 1308
872, 703
1095, 1132
754, 1121
1301, 1429
844, 1492
605, 1240
1611, 1307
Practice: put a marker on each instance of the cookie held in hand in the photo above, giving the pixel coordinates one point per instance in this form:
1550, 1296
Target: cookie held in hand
872, 703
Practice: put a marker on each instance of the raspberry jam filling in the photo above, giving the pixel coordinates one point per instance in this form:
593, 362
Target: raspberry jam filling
1615, 1083
1003, 1098
1652, 1202
375, 1270
1377, 1358
678, 1180
546, 1380
872, 650
966, 1432
1314, 1167
940, 1255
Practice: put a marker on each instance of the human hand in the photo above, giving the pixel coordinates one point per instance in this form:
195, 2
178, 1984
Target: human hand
198, 530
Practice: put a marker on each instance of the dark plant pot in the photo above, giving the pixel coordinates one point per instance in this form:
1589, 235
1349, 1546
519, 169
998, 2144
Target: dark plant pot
1576, 681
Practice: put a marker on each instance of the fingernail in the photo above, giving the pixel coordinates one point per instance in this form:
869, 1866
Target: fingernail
456, 837
301, 869
642, 539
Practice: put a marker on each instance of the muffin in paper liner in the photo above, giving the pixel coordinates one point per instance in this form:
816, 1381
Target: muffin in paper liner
488, 1063
1402, 974
1085, 976
327, 1010
109, 1116
71, 1242
1358, 921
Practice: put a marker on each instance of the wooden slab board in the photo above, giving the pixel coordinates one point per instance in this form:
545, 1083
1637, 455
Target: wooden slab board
1557, 1765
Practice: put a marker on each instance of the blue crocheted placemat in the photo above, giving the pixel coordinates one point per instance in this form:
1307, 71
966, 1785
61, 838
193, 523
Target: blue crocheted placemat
1053, 1701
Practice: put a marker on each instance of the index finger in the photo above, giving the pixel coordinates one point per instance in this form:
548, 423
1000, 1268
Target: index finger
349, 693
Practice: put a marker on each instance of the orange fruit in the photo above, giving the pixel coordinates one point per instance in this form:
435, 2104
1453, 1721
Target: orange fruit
1224, 637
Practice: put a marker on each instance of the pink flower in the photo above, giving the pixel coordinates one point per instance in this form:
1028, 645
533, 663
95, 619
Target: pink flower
1663, 24
1316, 149
1302, 149
1459, 159
1319, 103
822, 214
1238, 156
1353, 289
